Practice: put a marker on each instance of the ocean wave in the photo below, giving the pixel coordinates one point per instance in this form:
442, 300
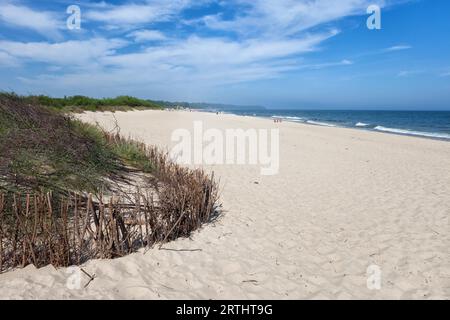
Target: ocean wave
414, 133
293, 118
317, 123
362, 124
288, 118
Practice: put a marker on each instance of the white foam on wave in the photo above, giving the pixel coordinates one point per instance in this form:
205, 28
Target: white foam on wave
362, 124
295, 119
414, 133
317, 123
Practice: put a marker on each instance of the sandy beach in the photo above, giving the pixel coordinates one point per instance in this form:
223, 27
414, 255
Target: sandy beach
344, 200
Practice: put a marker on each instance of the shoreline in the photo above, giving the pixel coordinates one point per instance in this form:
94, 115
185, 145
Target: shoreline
391, 131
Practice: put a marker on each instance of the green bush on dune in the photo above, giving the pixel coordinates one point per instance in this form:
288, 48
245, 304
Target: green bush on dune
42, 147
83, 103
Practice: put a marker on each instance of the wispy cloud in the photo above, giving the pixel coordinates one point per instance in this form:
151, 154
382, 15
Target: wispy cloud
397, 48
287, 17
382, 51
6, 60
44, 22
138, 13
68, 53
408, 73
206, 58
147, 35
195, 61
327, 65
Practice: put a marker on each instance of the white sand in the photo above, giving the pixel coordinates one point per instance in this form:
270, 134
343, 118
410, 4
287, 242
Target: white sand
344, 200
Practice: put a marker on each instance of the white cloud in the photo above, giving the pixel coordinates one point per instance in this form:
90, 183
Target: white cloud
408, 73
23, 17
6, 60
204, 58
195, 62
397, 48
69, 53
126, 14
327, 65
285, 17
138, 13
147, 35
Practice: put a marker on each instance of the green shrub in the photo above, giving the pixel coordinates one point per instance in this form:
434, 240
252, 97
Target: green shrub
82, 103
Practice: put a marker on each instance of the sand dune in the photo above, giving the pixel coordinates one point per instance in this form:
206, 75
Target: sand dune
344, 200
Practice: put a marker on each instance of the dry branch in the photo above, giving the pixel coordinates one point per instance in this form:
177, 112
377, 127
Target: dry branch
69, 229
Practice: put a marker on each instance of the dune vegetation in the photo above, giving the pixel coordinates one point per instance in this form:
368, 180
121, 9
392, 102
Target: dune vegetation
69, 192
82, 103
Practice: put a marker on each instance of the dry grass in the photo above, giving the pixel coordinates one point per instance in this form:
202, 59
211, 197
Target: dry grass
67, 225
42, 228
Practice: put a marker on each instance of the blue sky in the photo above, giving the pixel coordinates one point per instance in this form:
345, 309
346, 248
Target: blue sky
277, 53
